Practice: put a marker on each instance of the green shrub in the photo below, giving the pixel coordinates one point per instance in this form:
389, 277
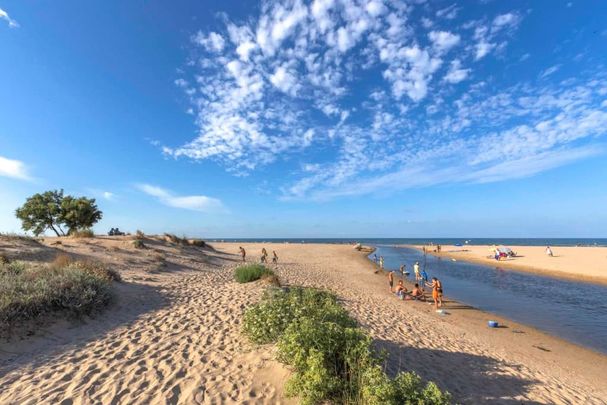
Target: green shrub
138, 244
82, 233
4, 259
251, 272
139, 234
331, 357
29, 291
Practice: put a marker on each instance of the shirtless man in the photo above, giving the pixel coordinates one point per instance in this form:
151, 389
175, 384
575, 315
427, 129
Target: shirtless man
243, 253
274, 257
391, 280
400, 289
418, 293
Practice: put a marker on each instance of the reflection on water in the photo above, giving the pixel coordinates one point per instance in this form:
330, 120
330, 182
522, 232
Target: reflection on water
573, 311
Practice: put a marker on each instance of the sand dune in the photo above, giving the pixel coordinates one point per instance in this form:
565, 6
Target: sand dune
173, 336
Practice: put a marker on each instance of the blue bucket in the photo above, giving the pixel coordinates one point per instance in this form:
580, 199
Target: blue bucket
492, 324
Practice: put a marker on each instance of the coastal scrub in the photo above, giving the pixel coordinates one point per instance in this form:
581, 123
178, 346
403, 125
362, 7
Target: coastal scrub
332, 358
28, 291
252, 272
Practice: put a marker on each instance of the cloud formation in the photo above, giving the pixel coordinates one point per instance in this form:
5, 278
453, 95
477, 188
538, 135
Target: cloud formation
4, 16
367, 94
192, 202
13, 168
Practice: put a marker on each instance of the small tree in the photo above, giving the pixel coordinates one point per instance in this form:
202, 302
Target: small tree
41, 212
79, 213
51, 209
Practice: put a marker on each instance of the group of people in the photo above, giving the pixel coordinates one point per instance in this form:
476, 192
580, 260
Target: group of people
264, 255
418, 293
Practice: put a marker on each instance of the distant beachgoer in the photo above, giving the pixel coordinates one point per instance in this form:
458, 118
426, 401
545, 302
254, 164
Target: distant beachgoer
424, 249
437, 292
418, 277
391, 280
549, 251
243, 253
264, 255
381, 262
402, 270
375, 258
418, 293
274, 257
438, 247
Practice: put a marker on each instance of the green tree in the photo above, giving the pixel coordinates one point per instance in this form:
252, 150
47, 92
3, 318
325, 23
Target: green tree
79, 213
52, 209
41, 212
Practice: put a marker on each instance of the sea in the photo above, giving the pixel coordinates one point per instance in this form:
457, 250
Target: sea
436, 241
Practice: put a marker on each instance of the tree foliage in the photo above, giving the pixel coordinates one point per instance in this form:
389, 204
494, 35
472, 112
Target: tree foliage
51, 210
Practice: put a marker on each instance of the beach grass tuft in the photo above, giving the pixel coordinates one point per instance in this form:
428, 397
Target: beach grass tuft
252, 272
332, 358
28, 291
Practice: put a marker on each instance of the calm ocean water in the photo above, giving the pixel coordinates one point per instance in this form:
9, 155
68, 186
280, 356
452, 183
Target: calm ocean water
440, 241
574, 311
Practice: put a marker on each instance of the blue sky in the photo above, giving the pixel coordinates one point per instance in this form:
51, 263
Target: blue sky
331, 118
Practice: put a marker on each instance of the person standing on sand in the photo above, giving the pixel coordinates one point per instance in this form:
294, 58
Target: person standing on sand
549, 251
274, 257
437, 292
243, 253
381, 262
375, 258
424, 276
391, 280
418, 277
264, 255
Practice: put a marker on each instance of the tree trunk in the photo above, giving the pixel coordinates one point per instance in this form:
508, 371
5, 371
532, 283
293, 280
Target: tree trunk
53, 228
59, 226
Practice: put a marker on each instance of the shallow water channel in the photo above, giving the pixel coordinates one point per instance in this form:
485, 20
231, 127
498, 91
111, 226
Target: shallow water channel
574, 311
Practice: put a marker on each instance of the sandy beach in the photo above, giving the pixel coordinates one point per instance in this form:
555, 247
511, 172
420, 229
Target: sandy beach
587, 264
173, 335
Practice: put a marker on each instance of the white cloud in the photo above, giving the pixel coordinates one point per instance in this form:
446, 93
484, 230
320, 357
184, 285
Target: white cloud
109, 195
443, 40
14, 169
193, 202
449, 12
549, 71
505, 20
213, 42
11, 23
359, 88
456, 74
284, 80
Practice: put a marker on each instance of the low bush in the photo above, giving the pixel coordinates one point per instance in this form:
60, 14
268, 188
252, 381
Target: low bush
138, 244
83, 233
332, 358
4, 259
139, 234
28, 291
251, 272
